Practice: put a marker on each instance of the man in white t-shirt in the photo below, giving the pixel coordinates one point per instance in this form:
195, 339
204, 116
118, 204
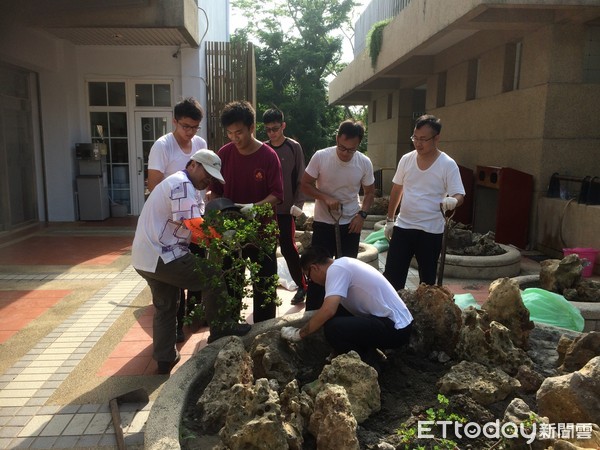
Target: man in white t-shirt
333, 178
160, 253
361, 311
171, 153
425, 179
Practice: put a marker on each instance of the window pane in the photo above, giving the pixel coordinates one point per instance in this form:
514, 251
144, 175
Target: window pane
162, 95
146, 149
98, 118
119, 151
118, 124
147, 128
116, 94
97, 92
120, 176
143, 95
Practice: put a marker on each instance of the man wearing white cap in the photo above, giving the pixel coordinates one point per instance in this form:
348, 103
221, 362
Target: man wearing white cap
161, 255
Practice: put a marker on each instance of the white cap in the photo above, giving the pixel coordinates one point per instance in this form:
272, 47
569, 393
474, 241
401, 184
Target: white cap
211, 163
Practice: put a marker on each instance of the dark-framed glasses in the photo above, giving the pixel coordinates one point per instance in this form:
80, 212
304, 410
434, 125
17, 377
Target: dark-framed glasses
189, 127
421, 140
343, 148
272, 129
308, 273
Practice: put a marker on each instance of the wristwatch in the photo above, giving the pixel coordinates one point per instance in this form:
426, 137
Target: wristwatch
363, 214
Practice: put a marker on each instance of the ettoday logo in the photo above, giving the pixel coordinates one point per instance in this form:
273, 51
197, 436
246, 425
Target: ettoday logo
507, 430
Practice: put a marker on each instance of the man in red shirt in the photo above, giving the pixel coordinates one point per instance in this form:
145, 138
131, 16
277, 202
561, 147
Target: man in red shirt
253, 176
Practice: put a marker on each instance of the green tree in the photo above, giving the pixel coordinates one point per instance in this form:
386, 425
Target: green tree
297, 49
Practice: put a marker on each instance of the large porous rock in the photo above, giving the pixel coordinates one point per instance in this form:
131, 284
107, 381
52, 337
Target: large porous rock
332, 423
489, 343
254, 417
232, 366
519, 413
574, 397
584, 291
296, 409
505, 305
580, 351
437, 319
357, 378
530, 379
485, 385
556, 275
273, 358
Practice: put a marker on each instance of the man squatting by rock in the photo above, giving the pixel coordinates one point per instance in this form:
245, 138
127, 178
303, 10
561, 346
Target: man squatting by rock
361, 311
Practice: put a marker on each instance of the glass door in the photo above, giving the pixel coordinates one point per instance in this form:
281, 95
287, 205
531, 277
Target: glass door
18, 189
149, 126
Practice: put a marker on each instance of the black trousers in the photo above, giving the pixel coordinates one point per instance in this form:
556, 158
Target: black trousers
324, 236
186, 302
289, 251
405, 244
264, 303
345, 332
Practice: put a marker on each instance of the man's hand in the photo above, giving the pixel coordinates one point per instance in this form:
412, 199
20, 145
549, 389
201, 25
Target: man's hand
291, 334
247, 210
449, 203
389, 229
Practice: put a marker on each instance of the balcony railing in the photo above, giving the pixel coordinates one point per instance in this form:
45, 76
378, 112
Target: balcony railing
376, 11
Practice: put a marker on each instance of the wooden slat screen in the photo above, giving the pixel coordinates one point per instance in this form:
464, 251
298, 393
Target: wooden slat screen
231, 75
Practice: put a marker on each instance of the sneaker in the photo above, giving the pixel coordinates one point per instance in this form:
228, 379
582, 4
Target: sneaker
299, 297
180, 336
165, 367
238, 329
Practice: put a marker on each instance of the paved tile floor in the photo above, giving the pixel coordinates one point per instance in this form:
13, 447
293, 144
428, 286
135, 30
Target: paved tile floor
64, 293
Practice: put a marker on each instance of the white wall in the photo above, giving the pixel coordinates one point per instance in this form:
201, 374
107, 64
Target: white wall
54, 62
63, 70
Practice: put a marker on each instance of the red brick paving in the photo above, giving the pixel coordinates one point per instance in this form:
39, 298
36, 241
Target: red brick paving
19, 308
65, 250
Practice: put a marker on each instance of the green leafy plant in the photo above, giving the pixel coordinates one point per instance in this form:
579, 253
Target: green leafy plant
375, 40
409, 435
228, 234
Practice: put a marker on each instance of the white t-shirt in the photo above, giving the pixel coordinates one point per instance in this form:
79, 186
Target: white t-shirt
423, 191
167, 157
365, 291
342, 180
160, 232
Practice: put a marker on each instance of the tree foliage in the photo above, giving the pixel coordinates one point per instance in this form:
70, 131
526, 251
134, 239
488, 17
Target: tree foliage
297, 48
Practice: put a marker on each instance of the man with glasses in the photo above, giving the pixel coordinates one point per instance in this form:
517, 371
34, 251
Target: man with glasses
171, 153
333, 178
426, 184
292, 166
361, 310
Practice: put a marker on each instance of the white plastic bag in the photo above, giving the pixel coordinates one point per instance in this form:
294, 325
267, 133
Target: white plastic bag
285, 279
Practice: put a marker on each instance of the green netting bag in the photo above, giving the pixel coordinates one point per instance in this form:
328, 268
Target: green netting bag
552, 309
